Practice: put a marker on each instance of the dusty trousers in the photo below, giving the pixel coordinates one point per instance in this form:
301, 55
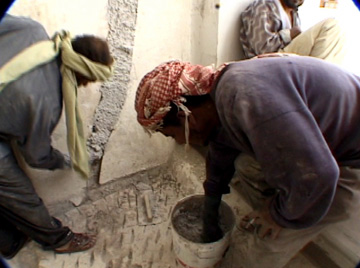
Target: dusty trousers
22, 212
276, 253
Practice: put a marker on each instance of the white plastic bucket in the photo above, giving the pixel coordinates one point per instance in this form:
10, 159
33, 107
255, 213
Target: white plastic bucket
191, 254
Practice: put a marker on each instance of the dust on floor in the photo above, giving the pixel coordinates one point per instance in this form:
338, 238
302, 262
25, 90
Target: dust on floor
129, 235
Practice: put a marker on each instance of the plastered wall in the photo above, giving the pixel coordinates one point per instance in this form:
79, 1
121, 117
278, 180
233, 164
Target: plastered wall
167, 37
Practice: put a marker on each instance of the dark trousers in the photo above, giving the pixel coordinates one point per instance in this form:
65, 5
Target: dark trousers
22, 212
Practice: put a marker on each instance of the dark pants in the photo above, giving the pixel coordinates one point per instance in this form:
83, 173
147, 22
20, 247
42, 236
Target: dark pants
22, 212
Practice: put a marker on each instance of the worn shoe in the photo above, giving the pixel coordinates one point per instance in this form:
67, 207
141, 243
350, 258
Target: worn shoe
79, 242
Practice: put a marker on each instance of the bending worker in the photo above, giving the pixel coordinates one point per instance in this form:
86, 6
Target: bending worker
289, 127
36, 76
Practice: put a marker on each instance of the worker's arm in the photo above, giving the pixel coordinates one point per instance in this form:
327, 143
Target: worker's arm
296, 161
219, 169
219, 172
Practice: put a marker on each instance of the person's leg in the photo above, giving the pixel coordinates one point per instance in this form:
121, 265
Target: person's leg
346, 203
250, 181
22, 207
11, 239
325, 40
276, 253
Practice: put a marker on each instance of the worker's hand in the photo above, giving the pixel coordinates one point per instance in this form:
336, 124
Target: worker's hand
211, 232
295, 31
261, 222
211, 229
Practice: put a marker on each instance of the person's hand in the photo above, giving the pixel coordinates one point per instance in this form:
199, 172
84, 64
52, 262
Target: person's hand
211, 232
261, 222
211, 229
295, 31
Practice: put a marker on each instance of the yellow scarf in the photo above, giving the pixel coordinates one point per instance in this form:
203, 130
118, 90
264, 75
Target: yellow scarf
44, 52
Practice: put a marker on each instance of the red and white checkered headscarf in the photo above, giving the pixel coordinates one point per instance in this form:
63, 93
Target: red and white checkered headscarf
167, 83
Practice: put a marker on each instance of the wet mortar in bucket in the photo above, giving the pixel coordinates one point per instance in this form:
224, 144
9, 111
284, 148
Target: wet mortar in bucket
187, 225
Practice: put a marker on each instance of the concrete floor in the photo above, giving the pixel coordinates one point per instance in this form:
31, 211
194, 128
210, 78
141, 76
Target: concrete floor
126, 239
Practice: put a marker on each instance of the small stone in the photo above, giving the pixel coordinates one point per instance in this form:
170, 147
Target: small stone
76, 200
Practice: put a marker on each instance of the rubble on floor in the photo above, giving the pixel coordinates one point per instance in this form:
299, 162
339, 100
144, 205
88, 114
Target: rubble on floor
132, 222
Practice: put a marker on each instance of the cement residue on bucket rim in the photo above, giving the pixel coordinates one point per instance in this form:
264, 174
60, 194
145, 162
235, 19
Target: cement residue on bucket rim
187, 218
201, 255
